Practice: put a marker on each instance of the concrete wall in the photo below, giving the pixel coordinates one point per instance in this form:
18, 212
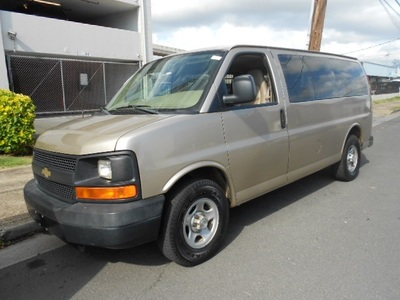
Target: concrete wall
63, 38
126, 20
41, 36
3, 67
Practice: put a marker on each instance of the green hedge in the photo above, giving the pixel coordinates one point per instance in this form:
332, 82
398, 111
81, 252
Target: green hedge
17, 116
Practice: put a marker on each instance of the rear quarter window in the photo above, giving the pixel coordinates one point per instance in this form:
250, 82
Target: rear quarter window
310, 78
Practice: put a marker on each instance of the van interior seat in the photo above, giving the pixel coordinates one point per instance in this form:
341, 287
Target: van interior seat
264, 91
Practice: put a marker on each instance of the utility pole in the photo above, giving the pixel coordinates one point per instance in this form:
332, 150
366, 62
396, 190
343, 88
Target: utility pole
317, 25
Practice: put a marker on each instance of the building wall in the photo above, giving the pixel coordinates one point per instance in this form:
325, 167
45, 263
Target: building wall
373, 69
52, 37
3, 67
74, 61
125, 20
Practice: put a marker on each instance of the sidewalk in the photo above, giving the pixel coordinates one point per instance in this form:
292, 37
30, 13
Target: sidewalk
15, 222
14, 219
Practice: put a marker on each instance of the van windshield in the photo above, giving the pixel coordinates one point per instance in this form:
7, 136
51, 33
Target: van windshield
169, 84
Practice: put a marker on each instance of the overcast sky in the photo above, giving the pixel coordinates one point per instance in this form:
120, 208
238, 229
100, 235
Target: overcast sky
350, 25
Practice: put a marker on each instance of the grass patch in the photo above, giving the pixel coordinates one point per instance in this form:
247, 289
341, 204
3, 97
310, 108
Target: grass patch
387, 106
389, 100
9, 161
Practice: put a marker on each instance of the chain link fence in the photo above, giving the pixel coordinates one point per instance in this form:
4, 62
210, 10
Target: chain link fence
58, 85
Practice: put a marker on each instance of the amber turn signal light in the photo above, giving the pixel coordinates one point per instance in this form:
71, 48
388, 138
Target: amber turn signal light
106, 193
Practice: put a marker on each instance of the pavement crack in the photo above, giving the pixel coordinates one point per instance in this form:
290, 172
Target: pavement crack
157, 281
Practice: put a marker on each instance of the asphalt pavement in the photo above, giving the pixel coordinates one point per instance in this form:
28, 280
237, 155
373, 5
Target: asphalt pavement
15, 222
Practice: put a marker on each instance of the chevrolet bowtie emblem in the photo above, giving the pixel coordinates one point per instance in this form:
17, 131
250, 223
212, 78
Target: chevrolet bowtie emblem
46, 172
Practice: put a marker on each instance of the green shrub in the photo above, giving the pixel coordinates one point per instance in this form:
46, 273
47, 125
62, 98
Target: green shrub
17, 116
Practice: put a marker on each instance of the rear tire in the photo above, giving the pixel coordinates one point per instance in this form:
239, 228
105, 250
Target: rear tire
195, 223
348, 167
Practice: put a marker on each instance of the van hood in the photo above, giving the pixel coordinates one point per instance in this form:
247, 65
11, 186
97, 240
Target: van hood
93, 134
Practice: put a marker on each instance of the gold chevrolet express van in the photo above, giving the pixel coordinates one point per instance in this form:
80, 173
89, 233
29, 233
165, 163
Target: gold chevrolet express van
191, 135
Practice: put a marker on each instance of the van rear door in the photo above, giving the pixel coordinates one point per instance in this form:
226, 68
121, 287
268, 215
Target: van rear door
326, 98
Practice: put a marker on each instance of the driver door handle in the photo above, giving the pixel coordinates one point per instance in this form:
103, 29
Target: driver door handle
283, 118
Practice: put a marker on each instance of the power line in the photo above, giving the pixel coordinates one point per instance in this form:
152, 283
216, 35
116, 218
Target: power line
391, 7
392, 18
383, 2
377, 45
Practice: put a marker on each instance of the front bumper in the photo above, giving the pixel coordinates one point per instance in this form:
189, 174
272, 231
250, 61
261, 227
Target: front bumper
107, 225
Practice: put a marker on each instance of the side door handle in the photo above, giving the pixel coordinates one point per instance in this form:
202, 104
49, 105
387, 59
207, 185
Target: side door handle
283, 118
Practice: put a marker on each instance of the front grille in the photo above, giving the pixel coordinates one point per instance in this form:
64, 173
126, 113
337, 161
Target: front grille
62, 170
55, 161
59, 190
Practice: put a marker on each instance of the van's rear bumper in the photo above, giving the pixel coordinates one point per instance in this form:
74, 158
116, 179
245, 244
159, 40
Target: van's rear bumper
108, 225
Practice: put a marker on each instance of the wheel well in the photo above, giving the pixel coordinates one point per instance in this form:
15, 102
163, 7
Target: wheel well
356, 130
211, 173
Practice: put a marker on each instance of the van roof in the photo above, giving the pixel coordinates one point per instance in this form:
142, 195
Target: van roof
231, 47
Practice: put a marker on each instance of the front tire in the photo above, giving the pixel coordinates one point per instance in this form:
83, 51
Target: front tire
348, 167
195, 223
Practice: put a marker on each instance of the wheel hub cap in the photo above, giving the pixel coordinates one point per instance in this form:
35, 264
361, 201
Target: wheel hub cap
352, 159
199, 222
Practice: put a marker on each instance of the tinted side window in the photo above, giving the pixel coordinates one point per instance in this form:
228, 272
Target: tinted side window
298, 78
317, 78
322, 74
350, 78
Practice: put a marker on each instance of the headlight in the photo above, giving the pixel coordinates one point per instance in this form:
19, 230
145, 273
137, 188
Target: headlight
104, 168
107, 176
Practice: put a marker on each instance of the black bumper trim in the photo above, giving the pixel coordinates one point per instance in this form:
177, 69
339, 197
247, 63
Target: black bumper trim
107, 225
370, 141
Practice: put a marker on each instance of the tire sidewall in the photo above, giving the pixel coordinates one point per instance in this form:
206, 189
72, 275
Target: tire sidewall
180, 205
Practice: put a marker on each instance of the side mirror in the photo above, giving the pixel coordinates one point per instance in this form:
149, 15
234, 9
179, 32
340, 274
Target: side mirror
244, 90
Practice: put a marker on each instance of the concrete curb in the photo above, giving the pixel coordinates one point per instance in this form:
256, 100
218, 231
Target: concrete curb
18, 231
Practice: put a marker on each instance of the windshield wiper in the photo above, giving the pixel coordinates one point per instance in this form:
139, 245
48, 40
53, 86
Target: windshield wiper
141, 108
105, 110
